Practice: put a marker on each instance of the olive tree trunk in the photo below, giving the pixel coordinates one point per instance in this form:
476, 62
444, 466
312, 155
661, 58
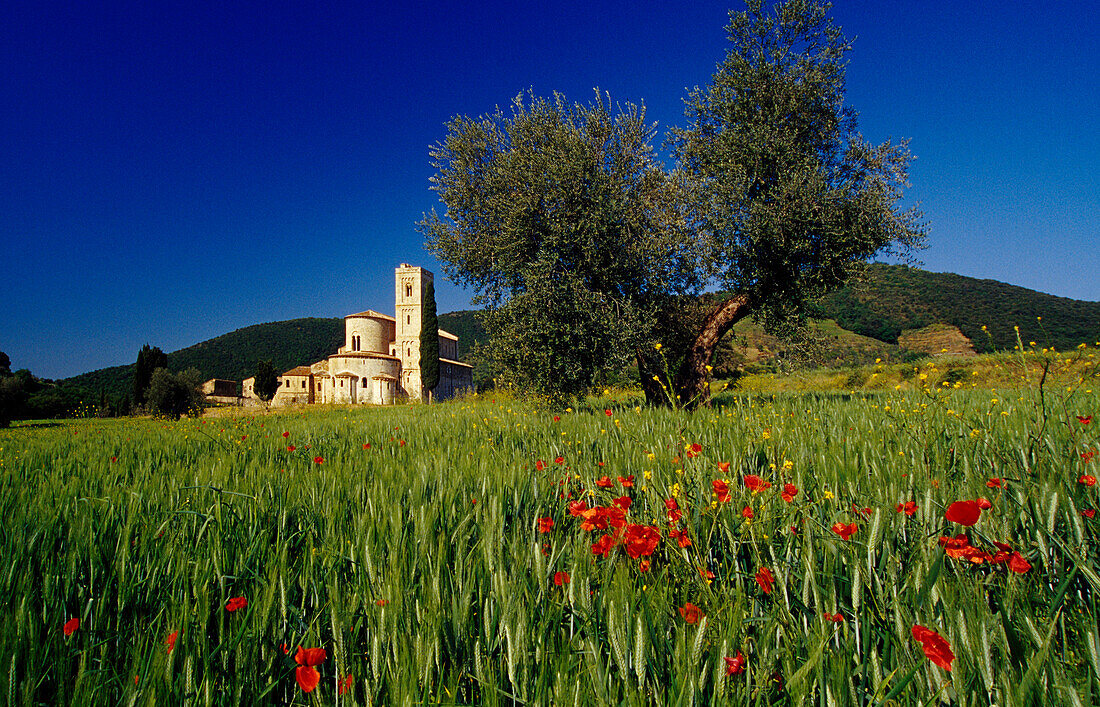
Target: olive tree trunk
692, 383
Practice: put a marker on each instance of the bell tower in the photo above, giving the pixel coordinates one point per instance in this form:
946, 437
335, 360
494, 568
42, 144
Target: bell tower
410, 282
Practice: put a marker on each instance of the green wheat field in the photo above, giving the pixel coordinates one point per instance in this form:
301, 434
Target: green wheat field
778, 548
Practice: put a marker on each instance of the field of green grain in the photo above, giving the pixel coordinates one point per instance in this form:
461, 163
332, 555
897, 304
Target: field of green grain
776, 549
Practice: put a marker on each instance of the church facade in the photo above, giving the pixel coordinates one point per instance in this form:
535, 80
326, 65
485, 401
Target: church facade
379, 362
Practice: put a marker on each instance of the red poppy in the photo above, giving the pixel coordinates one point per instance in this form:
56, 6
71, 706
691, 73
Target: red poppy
735, 665
557, 418
559, 460
1084, 420
540, 465
723, 467
607, 412
721, 490
70, 626
627, 482
789, 492
382, 602
307, 677
577, 507
835, 618
171, 641
1087, 480
605, 482
561, 579
546, 525
236, 603
603, 546
622, 502
290, 448
681, 537
765, 579
674, 512
640, 540
366, 445
746, 512
935, 646
346, 683
114, 459
756, 484
983, 503
995, 483
318, 460
1018, 564
643, 566
705, 573
909, 508
286, 434
400, 443
691, 613
1086, 456
1089, 513
963, 512
844, 531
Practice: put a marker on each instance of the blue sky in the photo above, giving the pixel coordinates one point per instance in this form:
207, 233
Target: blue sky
174, 171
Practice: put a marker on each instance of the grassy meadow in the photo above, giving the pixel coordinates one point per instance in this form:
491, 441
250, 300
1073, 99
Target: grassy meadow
776, 549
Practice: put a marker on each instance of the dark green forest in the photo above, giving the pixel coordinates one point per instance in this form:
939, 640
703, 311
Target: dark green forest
892, 298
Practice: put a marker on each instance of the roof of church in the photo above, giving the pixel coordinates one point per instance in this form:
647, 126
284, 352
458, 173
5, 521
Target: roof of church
299, 371
370, 314
447, 335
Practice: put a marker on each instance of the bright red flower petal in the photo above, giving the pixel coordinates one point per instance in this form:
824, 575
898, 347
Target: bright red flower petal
735, 665
561, 579
1018, 564
70, 626
307, 677
765, 579
935, 646
963, 512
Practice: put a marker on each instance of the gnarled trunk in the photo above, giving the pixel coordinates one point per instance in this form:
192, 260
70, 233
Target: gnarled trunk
692, 382
648, 367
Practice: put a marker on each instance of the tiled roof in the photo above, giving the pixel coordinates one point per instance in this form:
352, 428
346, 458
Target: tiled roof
299, 371
370, 314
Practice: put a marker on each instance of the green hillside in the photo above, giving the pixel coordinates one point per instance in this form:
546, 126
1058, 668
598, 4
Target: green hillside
233, 356
893, 298
868, 318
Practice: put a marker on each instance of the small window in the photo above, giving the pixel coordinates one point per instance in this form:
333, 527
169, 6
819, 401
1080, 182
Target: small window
341, 382
408, 290
364, 382
303, 384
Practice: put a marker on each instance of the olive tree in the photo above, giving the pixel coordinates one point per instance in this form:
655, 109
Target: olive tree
567, 228
787, 198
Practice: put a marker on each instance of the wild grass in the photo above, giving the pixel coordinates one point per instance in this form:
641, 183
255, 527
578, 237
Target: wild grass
418, 565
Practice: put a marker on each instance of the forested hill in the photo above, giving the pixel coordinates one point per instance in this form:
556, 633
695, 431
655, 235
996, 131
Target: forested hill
233, 356
893, 298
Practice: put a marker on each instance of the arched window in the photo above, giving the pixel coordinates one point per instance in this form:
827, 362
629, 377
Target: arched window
408, 290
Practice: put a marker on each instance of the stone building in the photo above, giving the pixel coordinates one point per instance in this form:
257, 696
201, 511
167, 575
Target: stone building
379, 362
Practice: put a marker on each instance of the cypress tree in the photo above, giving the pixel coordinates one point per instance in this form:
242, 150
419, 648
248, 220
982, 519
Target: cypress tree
149, 359
429, 343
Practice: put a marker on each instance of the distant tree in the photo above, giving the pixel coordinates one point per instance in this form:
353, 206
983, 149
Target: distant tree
13, 396
429, 343
5, 364
174, 394
789, 199
149, 359
267, 380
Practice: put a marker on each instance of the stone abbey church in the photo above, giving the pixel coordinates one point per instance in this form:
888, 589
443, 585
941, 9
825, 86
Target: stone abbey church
379, 362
